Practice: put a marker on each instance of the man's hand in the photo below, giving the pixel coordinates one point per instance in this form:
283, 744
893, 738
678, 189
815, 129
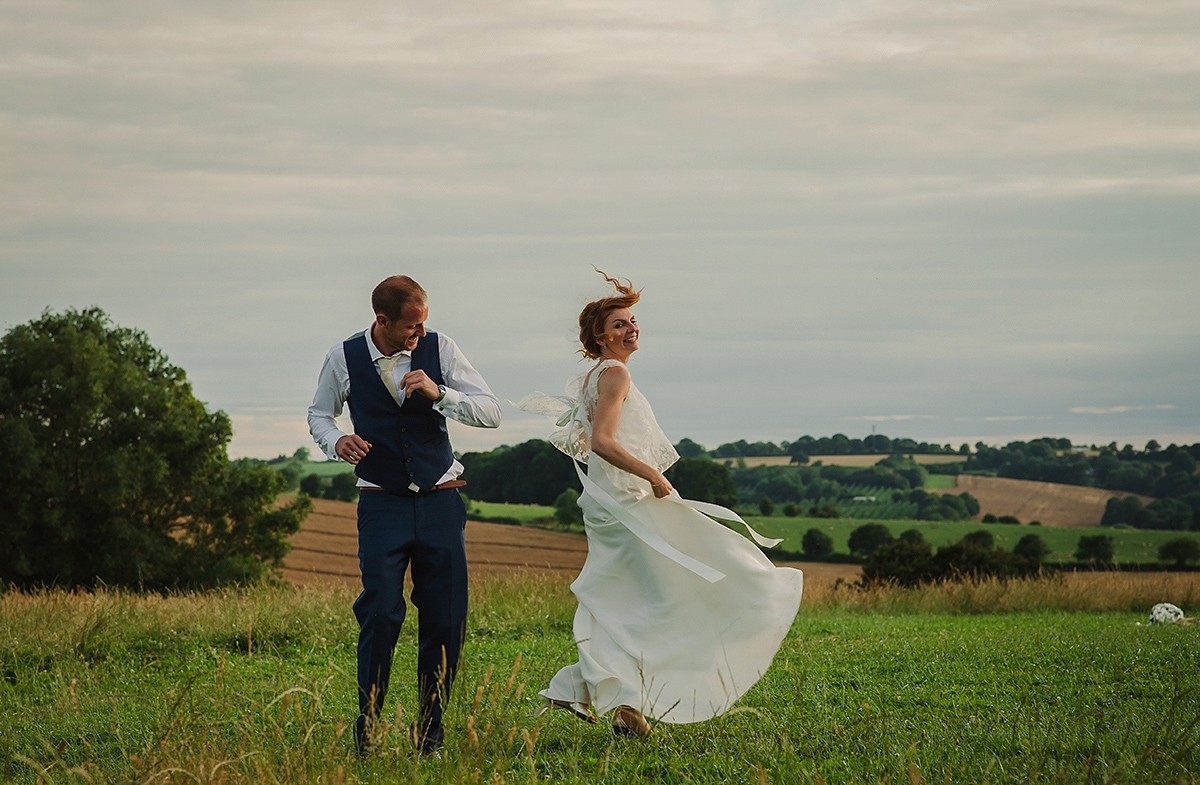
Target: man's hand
352, 448
418, 382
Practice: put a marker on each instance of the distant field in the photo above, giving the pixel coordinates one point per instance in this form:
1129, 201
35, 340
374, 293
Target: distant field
1132, 545
324, 468
1051, 503
856, 461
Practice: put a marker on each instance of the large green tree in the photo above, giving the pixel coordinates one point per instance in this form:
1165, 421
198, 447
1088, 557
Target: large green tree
113, 473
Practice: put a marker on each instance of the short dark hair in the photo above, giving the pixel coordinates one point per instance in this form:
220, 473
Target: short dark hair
394, 294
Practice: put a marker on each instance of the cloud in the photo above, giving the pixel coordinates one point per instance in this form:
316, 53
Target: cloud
1119, 409
953, 208
889, 417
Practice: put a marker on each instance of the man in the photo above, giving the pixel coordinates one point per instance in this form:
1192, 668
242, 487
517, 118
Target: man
401, 383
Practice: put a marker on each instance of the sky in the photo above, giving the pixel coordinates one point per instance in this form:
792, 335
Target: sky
950, 221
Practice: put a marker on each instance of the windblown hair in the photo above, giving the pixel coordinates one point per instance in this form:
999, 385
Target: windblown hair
593, 315
396, 293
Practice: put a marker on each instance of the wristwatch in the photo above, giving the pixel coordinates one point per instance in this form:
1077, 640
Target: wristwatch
441, 393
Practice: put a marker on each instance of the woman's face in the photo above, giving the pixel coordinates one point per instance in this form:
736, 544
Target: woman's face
621, 334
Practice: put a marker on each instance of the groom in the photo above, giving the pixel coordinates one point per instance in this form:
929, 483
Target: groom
401, 383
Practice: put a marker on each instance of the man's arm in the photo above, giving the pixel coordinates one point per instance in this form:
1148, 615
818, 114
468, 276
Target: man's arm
333, 386
468, 398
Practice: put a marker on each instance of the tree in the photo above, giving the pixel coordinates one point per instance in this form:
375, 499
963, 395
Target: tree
865, 539
343, 487
114, 473
766, 506
1032, 547
533, 472
301, 454
313, 485
567, 510
1180, 550
704, 480
791, 509
816, 543
689, 449
912, 536
1095, 548
905, 563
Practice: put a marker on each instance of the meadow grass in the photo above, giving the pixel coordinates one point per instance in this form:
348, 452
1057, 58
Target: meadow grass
1025, 681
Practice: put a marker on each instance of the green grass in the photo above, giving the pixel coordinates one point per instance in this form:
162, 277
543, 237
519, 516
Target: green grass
939, 481
324, 468
525, 513
258, 687
1132, 545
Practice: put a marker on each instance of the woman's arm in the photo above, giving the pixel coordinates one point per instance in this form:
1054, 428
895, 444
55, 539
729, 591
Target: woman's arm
613, 386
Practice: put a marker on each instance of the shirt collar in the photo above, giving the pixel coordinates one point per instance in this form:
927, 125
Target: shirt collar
376, 353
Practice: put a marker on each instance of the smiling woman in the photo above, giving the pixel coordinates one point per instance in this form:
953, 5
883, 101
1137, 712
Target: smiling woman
678, 615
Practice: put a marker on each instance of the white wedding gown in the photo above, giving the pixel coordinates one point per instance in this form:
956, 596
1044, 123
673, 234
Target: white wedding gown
678, 615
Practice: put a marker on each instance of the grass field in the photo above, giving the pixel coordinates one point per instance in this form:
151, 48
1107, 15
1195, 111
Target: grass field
257, 686
1132, 545
525, 513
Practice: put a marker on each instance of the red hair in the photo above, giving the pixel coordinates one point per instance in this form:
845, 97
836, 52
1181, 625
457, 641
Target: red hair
594, 314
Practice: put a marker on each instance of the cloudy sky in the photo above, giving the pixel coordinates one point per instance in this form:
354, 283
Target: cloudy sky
954, 221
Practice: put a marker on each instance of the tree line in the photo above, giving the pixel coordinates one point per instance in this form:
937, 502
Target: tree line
839, 444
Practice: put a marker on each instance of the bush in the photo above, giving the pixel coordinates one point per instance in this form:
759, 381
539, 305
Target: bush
817, 543
905, 563
567, 510
982, 538
1032, 548
791, 509
912, 536
865, 539
1180, 550
1009, 519
766, 506
1095, 548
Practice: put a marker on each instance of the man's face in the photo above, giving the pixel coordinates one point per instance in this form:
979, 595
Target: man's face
392, 336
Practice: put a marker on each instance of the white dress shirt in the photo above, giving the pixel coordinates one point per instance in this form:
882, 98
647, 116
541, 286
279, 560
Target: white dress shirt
468, 399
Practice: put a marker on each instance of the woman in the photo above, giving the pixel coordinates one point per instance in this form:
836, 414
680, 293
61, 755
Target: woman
678, 615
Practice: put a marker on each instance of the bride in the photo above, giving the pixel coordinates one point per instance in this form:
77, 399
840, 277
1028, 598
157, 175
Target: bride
678, 615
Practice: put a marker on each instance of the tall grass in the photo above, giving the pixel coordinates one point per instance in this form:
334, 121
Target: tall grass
1029, 681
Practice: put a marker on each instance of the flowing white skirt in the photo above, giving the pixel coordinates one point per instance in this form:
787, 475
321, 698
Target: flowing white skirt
654, 634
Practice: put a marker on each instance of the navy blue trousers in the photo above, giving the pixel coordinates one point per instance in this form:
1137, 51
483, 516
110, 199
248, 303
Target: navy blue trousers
425, 533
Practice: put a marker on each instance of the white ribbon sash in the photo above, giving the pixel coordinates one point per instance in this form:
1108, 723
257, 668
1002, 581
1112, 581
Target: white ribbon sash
652, 538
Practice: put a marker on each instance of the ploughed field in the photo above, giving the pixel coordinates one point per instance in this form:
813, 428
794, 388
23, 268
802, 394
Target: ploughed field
325, 550
1051, 503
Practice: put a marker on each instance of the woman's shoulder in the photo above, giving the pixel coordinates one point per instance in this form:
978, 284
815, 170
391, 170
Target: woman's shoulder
612, 371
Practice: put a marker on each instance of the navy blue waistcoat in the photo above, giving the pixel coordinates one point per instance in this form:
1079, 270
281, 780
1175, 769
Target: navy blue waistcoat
409, 443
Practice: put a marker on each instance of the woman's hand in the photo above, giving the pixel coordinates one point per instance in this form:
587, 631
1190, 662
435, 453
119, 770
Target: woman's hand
661, 486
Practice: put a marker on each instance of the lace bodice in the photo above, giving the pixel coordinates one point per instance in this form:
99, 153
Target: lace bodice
638, 431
